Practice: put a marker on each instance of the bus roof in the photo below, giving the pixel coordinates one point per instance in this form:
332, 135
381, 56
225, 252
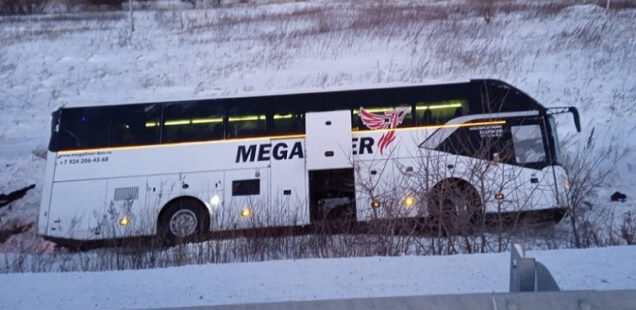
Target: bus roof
289, 92
501, 96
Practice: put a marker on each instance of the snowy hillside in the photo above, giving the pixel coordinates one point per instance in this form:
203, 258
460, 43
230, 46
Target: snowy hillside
580, 55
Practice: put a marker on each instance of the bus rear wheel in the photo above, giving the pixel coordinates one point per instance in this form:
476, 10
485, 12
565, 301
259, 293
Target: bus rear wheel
183, 220
454, 206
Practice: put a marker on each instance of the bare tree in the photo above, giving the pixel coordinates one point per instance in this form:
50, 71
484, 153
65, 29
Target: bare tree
588, 169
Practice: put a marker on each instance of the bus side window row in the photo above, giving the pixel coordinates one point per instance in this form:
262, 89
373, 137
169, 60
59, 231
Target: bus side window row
114, 126
220, 126
420, 113
183, 122
237, 125
128, 125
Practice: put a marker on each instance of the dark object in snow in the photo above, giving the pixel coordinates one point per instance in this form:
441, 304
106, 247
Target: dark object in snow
6, 199
618, 196
13, 228
192, 2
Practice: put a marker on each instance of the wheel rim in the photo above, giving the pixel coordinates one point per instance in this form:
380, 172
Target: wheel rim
455, 208
458, 207
183, 223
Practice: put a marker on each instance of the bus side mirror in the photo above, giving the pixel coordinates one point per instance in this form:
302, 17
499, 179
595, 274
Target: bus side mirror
561, 110
577, 119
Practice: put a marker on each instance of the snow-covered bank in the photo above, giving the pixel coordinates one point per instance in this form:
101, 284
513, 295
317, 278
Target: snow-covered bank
588, 269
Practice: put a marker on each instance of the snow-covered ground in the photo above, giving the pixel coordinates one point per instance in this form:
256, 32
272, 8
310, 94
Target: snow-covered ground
580, 55
310, 279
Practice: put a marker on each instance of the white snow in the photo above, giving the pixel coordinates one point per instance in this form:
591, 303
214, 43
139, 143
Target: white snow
310, 279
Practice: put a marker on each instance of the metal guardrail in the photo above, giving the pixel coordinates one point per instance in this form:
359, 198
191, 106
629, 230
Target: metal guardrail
532, 287
528, 275
563, 300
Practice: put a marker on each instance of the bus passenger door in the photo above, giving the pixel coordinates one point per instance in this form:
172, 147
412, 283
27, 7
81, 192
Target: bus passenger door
288, 187
535, 180
328, 140
329, 161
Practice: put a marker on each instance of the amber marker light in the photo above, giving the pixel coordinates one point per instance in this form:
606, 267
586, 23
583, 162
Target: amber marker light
409, 201
499, 196
246, 212
376, 204
124, 221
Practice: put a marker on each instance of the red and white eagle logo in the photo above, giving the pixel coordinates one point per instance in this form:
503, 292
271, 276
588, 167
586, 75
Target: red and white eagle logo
389, 120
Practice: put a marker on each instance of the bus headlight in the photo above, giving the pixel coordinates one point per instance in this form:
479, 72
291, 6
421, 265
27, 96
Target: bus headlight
215, 200
124, 221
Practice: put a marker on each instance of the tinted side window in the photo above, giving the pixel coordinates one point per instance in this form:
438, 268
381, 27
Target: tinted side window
246, 187
481, 142
287, 124
192, 122
439, 112
83, 128
245, 121
135, 125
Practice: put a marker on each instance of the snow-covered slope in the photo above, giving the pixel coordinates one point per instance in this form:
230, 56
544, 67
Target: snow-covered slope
580, 55
311, 279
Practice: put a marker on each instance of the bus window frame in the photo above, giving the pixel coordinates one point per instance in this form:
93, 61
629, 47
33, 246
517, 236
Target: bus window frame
540, 121
218, 112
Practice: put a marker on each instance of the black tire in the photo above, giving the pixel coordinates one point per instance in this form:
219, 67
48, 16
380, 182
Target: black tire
341, 213
455, 207
183, 220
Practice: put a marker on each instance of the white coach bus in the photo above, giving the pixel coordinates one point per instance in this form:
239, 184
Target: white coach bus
179, 169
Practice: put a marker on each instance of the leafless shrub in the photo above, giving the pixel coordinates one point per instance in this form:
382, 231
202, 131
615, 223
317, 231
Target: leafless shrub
105, 4
588, 169
628, 228
12, 228
22, 7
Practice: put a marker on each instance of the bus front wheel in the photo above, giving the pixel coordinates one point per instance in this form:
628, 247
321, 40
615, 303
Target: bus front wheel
183, 220
454, 206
